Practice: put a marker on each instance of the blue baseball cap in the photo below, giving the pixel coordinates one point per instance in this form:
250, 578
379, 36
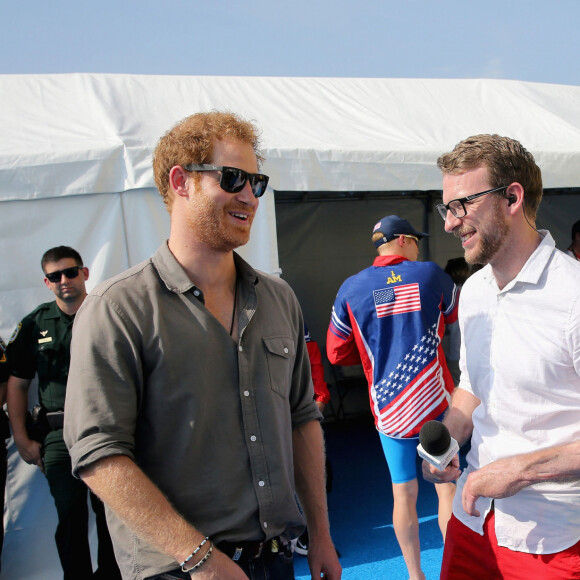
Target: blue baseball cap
392, 226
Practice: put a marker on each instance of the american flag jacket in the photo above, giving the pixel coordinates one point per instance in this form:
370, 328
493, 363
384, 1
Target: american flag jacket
391, 317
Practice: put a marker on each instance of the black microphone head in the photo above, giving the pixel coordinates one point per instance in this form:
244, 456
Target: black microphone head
435, 438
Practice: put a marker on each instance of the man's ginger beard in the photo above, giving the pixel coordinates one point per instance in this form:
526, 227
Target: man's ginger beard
209, 221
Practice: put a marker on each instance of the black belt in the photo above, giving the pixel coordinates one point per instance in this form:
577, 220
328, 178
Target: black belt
245, 551
39, 422
55, 419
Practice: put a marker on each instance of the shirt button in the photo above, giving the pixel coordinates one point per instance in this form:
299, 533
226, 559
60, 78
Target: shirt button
261, 483
265, 524
240, 348
246, 393
286, 350
253, 438
196, 292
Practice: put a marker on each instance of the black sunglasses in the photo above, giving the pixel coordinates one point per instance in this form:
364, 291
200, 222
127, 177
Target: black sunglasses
69, 273
233, 179
457, 206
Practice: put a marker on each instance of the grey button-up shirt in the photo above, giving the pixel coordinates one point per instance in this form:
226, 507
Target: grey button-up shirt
156, 377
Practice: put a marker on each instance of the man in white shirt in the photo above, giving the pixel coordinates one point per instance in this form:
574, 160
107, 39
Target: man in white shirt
517, 506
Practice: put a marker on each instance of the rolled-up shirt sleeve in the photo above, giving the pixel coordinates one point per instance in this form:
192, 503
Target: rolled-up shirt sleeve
104, 385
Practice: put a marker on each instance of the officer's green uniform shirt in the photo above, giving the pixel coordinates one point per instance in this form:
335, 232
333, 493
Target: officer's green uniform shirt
41, 343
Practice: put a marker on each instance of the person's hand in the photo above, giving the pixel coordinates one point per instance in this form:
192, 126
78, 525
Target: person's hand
449, 474
496, 480
323, 560
30, 451
218, 567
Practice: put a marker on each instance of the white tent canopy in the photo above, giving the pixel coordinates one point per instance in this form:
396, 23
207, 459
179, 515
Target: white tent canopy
75, 169
84, 134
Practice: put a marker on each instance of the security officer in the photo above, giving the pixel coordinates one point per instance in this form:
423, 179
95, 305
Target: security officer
40, 346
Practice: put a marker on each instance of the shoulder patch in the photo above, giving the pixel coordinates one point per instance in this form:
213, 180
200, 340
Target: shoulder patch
15, 333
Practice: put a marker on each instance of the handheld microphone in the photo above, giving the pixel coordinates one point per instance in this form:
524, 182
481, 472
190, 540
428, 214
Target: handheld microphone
436, 445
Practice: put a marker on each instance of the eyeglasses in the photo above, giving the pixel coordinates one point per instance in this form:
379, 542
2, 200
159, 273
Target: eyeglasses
457, 206
409, 236
69, 273
233, 179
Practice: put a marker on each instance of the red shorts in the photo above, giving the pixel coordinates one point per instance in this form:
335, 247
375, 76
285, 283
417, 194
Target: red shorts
469, 556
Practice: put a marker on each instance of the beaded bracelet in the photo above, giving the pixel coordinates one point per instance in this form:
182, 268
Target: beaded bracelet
193, 553
201, 562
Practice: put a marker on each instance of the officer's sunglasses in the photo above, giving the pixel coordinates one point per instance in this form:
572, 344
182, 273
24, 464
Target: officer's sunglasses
69, 273
233, 179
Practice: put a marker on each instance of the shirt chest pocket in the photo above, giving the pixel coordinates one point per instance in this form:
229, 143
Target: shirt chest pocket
281, 352
52, 362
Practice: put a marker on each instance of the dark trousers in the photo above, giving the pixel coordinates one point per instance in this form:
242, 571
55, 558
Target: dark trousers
70, 499
279, 567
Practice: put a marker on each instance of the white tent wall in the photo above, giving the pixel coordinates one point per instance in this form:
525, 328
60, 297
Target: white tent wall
75, 169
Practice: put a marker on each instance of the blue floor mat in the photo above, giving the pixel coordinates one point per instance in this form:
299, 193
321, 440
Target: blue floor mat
361, 506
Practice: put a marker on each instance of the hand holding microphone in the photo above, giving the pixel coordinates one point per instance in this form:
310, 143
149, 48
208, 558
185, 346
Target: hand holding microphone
439, 449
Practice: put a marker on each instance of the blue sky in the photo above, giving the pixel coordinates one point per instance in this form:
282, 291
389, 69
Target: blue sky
530, 40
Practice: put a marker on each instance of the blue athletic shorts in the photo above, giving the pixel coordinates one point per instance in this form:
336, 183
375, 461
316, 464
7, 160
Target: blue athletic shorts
401, 456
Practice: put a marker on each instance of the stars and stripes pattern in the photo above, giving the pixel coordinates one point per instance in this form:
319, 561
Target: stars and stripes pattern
412, 390
397, 300
390, 318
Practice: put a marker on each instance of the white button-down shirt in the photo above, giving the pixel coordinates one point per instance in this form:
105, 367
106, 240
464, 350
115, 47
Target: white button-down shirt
520, 356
